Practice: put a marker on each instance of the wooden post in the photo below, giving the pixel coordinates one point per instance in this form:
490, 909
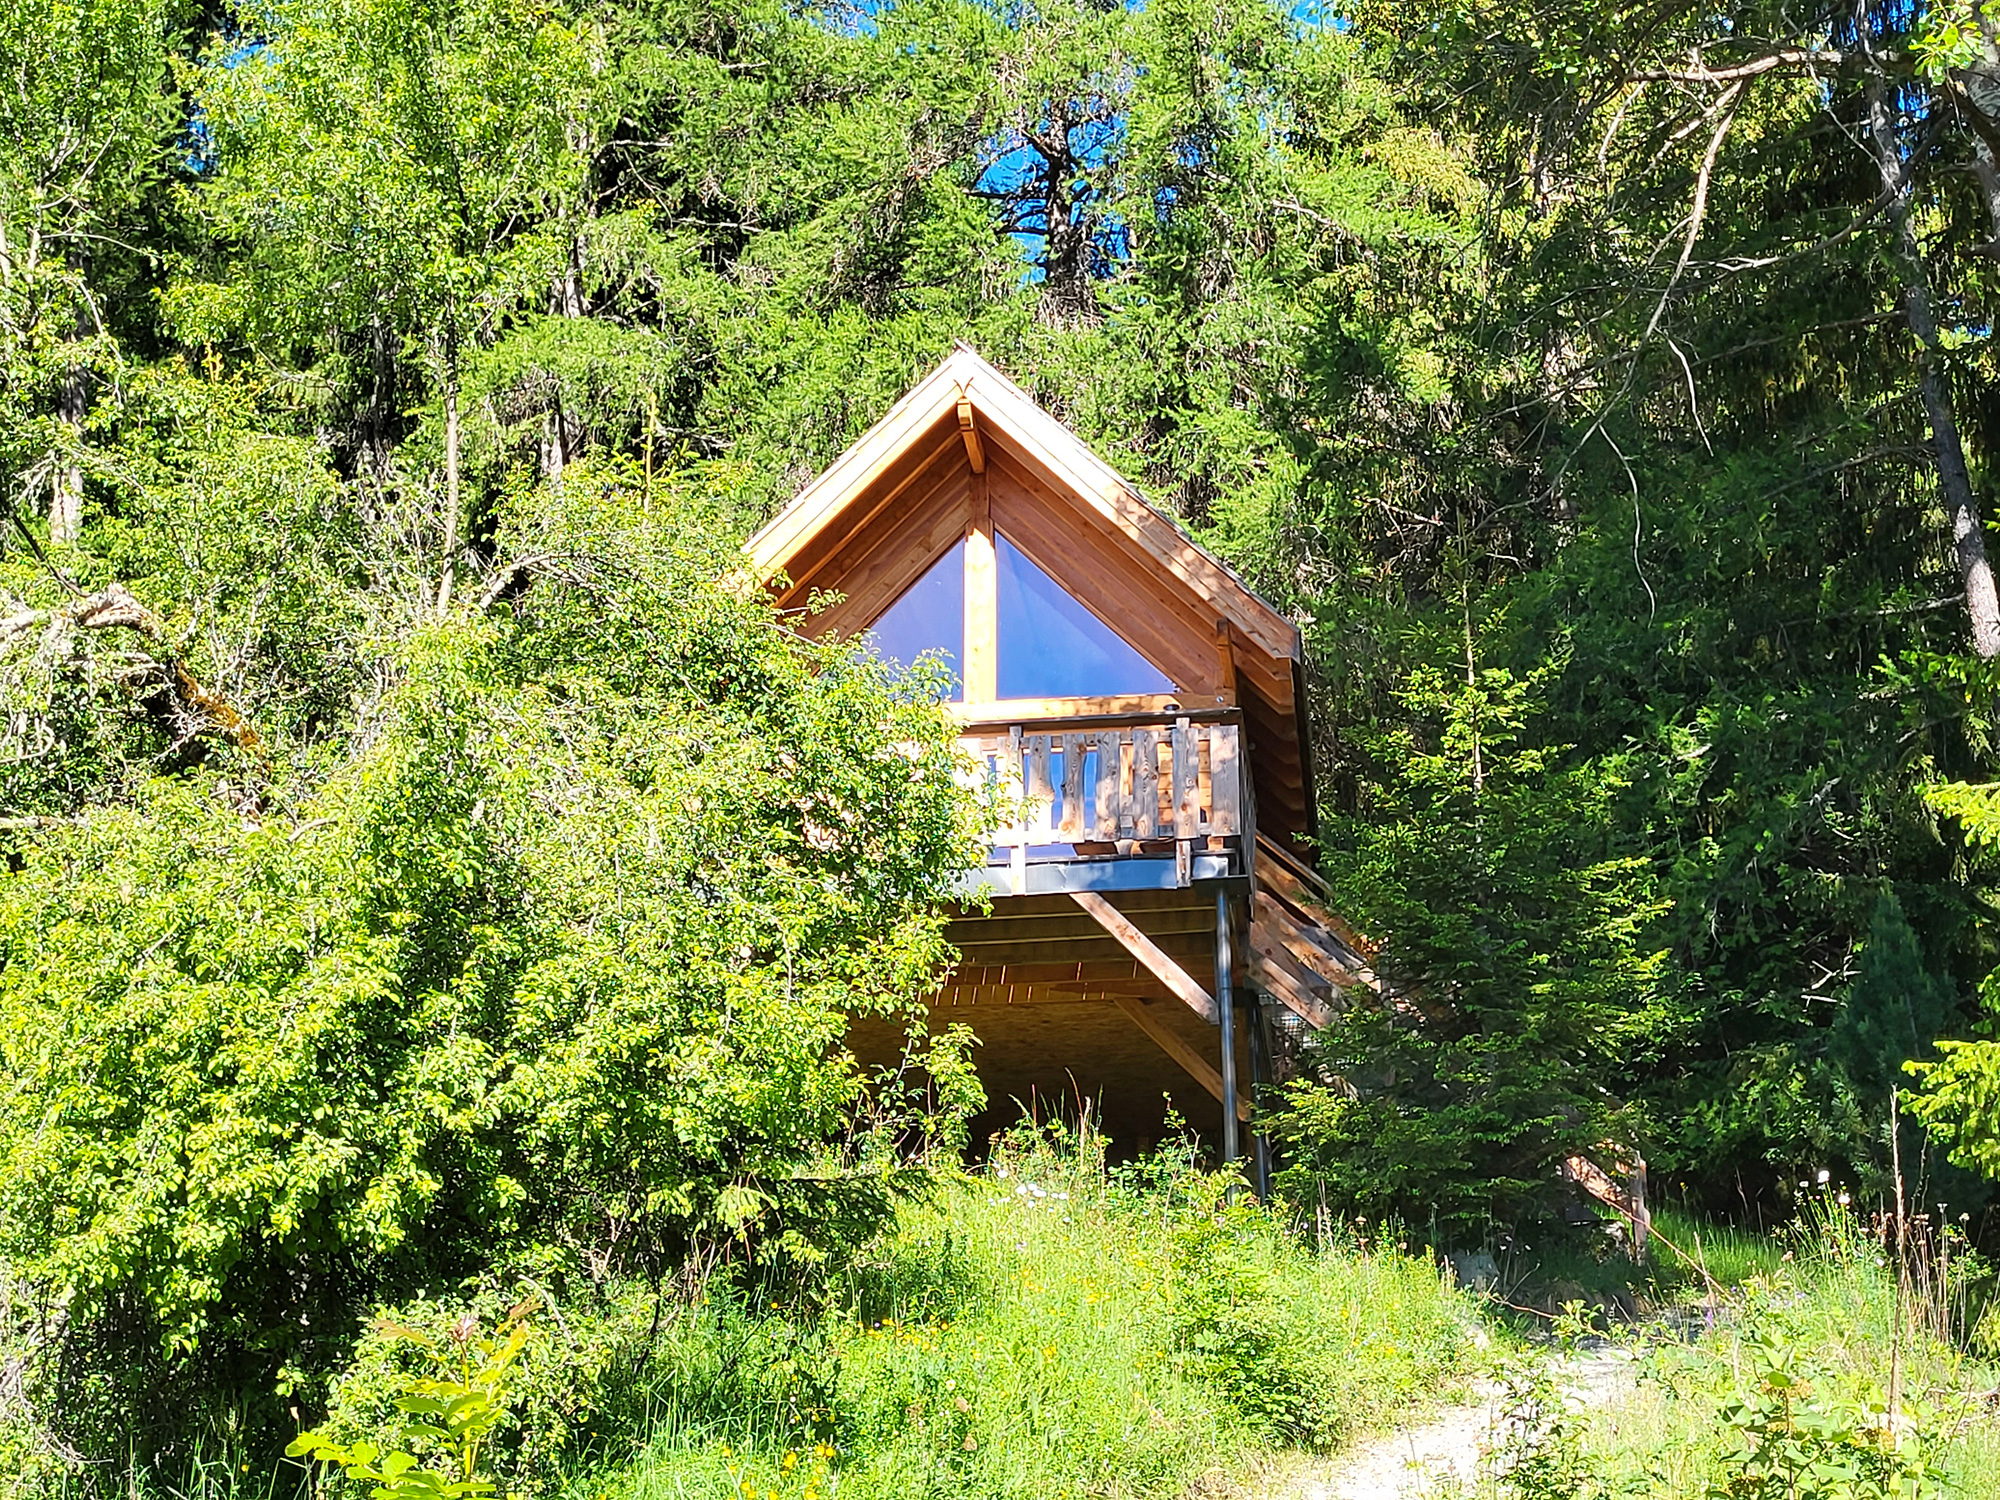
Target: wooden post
1225, 1007
1018, 871
982, 602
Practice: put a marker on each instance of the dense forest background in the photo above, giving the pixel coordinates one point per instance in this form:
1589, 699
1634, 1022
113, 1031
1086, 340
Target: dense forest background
384, 387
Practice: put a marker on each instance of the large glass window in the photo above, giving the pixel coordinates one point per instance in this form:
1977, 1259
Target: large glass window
1052, 647
929, 616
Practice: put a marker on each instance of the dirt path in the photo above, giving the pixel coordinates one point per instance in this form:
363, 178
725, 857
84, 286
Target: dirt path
1417, 1461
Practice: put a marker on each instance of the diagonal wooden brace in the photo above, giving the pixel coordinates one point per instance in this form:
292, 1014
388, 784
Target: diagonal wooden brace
1143, 948
1197, 1067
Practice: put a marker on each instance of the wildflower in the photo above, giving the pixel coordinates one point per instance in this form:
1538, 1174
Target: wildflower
1824, 1177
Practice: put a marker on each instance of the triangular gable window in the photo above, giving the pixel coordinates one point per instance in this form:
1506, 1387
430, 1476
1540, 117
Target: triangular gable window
929, 616
1050, 646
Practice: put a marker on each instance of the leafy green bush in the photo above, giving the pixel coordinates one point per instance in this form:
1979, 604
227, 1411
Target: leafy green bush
448, 1415
548, 977
1258, 1315
1794, 1434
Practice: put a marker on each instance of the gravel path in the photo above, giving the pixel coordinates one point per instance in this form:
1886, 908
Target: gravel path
1416, 1461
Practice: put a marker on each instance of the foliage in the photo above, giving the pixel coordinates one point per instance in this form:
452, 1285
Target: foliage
1783, 1383
1555, 367
1525, 983
1893, 1010
563, 949
450, 1414
1793, 1441
1030, 1331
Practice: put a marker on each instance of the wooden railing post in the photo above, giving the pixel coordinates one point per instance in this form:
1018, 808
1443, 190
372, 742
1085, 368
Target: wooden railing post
1019, 862
1179, 779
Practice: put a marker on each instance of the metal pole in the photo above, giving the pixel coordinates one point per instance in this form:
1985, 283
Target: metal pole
1225, 1003
1260, 1079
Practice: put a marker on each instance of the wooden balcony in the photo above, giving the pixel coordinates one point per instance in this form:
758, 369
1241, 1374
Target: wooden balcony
1143, 801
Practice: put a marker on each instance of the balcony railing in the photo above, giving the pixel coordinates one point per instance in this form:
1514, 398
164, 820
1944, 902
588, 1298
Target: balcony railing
1117, 787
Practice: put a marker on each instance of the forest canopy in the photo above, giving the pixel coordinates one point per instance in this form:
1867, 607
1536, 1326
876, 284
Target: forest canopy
421, 851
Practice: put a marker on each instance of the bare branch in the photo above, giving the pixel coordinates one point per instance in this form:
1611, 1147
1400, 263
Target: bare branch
1786, 57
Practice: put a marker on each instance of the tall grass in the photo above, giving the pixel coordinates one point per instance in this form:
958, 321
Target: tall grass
1825, 1295
1044, 1330
1689, 1252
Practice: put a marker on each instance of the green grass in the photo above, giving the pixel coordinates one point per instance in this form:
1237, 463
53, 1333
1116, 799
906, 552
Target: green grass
1040, 1329
1039, 1334
1688, 1252
1823, 1294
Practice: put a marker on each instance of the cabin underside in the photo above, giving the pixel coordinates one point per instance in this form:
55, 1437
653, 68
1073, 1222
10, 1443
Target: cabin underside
1110, 1001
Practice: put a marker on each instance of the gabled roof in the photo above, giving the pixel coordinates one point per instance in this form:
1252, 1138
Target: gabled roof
889, 505
1003, 406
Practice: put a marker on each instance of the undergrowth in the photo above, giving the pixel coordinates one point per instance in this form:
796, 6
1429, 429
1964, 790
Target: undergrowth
1046, 1328
1812, 1376
1042, 1328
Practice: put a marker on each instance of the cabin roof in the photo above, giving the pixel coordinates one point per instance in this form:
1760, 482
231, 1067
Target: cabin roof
883, 508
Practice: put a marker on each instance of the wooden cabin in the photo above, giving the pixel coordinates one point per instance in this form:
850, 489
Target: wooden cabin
1155, 924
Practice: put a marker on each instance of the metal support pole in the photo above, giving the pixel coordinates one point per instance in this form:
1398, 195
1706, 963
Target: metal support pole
1260, 1080
1225, 1005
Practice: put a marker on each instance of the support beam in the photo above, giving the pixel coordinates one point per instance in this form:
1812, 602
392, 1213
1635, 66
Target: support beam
1293, 984
1149, 953
1197, 1067
975, 451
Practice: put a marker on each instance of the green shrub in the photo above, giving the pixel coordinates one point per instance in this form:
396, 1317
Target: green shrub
1795, 1432
1308, 1347
448, 1413
549, 978
1046, 1328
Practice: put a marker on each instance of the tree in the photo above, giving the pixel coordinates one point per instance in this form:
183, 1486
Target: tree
89, 118
388, 167
1522, 985
560, 953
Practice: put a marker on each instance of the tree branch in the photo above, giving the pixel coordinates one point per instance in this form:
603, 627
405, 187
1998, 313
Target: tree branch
1786, 57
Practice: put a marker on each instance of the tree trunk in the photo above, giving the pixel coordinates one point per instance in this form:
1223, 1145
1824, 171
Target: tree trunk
1954, 480
451, 518
562, 438
381, 397
66, 479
